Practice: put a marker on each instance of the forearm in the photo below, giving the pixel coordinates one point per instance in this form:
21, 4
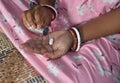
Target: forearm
49, 2
102, 26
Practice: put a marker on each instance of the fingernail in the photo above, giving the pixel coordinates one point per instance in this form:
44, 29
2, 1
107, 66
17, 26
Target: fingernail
46, 55
28, 24
21, 46
38, 26
31, 28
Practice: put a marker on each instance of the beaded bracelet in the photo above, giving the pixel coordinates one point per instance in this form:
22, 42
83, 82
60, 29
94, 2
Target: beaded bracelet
77, 38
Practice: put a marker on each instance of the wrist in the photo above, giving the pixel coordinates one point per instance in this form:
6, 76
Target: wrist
52, 5
76, 37
52, 9
72, 40
49, 2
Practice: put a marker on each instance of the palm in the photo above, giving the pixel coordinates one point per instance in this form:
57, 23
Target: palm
61, 45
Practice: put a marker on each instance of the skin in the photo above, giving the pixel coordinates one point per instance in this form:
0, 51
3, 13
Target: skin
35, 19
62, 43
104, 25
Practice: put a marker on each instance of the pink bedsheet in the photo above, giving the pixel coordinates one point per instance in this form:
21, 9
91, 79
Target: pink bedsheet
98, 61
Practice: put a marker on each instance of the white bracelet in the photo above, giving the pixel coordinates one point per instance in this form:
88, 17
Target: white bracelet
78, 38
54, 9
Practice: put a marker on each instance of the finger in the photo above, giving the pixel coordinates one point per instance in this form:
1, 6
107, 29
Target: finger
38, 18
31, 42
47, 21
44, 21
30, 49
38, 50
26, 47
54, 54
31, 46
24, 19
30, 20
41, 18
39, 23
48, 49
43, 50
44, 46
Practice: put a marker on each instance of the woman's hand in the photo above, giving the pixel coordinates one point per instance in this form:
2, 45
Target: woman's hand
62, 43
37, 17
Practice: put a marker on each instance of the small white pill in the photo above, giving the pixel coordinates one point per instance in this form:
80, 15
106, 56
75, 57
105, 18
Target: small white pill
51, 41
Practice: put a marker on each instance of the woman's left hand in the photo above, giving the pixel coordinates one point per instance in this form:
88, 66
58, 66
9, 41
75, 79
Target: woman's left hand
62, 43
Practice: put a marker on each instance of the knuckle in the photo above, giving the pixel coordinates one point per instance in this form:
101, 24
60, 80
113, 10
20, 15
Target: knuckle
52, 57
36, 7
28, 14
23, 14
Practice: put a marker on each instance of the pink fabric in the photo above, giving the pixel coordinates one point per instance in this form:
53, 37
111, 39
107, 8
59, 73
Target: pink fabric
98, 61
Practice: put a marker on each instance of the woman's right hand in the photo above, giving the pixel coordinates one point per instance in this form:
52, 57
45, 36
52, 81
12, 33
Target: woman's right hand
37, 17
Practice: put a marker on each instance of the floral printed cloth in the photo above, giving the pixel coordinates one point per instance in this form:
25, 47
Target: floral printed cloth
98, 61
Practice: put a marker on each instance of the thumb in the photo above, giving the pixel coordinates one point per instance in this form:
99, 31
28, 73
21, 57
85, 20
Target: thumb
54, 55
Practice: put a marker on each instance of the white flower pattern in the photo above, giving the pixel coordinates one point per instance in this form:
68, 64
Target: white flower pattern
80, 10
78, 58
53, 70
100, 68
110, 1
98, 54
90, 8
116, 77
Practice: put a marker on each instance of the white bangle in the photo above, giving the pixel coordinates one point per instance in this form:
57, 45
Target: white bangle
78, 38
49, 6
